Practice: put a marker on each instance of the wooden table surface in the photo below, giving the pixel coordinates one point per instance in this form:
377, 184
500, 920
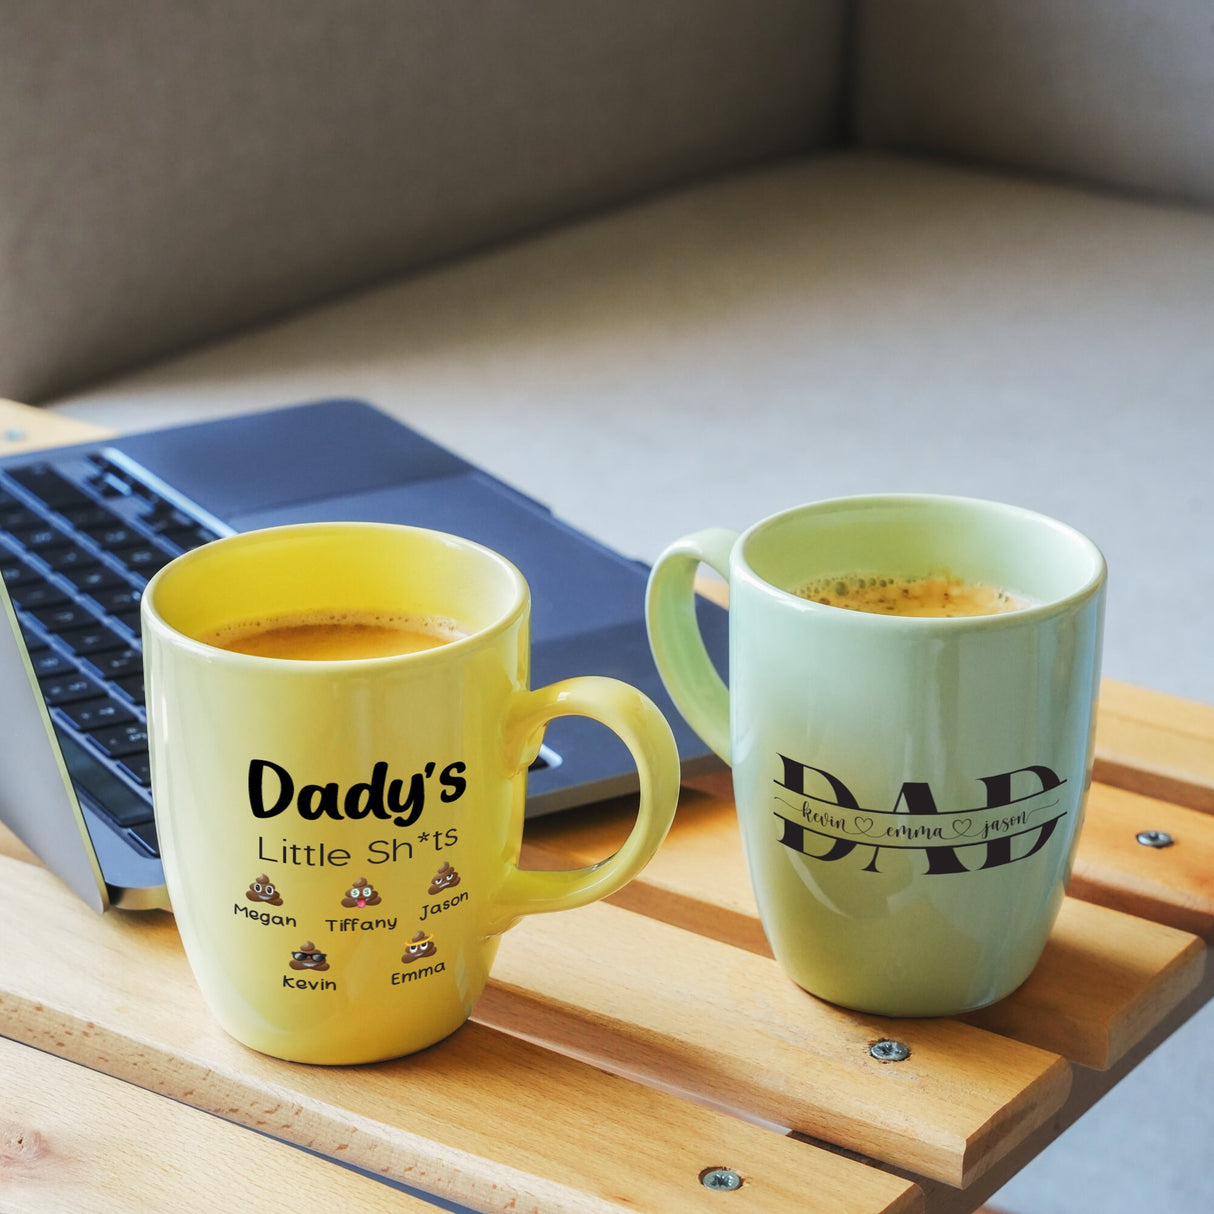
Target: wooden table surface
621, 1051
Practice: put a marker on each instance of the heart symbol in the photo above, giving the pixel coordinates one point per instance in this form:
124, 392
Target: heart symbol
864, 825
962, 826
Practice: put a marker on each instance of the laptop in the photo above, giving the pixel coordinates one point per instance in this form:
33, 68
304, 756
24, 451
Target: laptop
83, 528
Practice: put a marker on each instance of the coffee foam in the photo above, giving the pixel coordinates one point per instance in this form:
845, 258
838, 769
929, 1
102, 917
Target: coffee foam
938, 594
230, 636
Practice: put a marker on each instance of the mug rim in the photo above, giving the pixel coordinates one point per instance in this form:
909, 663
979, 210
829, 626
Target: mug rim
741, 566
151, 617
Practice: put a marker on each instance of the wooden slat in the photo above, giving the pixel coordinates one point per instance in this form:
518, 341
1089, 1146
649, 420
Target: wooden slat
651, 1001
1156, 744
1103, 983
483, 1118
73, 1139
698, 881
1173, 885
1088, 1087
25, 429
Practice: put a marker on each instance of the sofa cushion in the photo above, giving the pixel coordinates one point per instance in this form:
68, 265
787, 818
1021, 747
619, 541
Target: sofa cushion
844, 324
172, 171
1119, 92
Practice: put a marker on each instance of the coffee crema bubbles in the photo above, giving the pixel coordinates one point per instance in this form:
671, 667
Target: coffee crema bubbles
935, 595
333, 636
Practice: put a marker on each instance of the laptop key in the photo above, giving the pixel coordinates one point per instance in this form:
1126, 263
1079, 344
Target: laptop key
16, 572
97, 714
63, 559
116, 798
60, 690
163, 517
139, 768
47, 662
109, 480
92, 640
65, 615
88, 515
89, 715
112, 534
118, 741
129, 618
40, 538
38, 594
119, 598
143, 559
133, 686
114, 664
13, 515
48, 485
89, 579
188, 537
145, 832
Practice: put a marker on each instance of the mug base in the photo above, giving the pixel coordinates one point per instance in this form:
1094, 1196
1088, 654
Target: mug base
346, 1053
925, 1008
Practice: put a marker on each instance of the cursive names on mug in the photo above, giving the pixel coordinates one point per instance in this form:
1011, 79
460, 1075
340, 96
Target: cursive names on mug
1010, 827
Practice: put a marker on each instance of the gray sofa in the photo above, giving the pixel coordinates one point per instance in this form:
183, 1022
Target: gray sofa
661, 262
179, 172
666, 264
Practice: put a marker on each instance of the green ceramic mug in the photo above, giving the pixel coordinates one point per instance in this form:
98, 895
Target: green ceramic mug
910, 790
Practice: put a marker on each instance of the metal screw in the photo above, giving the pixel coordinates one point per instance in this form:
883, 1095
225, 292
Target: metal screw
890, 1051
1155, 838
723, 1180
13, 436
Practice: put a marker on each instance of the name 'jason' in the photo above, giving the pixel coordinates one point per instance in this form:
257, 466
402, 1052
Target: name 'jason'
437, 908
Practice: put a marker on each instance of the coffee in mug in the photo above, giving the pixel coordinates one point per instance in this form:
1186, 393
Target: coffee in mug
909, 787
935, 594
333, 636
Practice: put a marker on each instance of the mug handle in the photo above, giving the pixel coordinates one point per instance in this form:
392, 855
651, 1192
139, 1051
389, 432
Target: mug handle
640, 725
674, 633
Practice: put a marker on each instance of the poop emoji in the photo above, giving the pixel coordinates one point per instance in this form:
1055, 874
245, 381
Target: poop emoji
422, 945
445, 878
262, 890
307, 958
361, 893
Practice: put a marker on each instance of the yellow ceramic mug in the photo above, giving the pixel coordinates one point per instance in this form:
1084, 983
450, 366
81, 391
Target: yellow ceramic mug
341, 838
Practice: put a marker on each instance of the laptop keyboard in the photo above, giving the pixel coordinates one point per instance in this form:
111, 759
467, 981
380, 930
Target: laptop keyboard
79, 539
